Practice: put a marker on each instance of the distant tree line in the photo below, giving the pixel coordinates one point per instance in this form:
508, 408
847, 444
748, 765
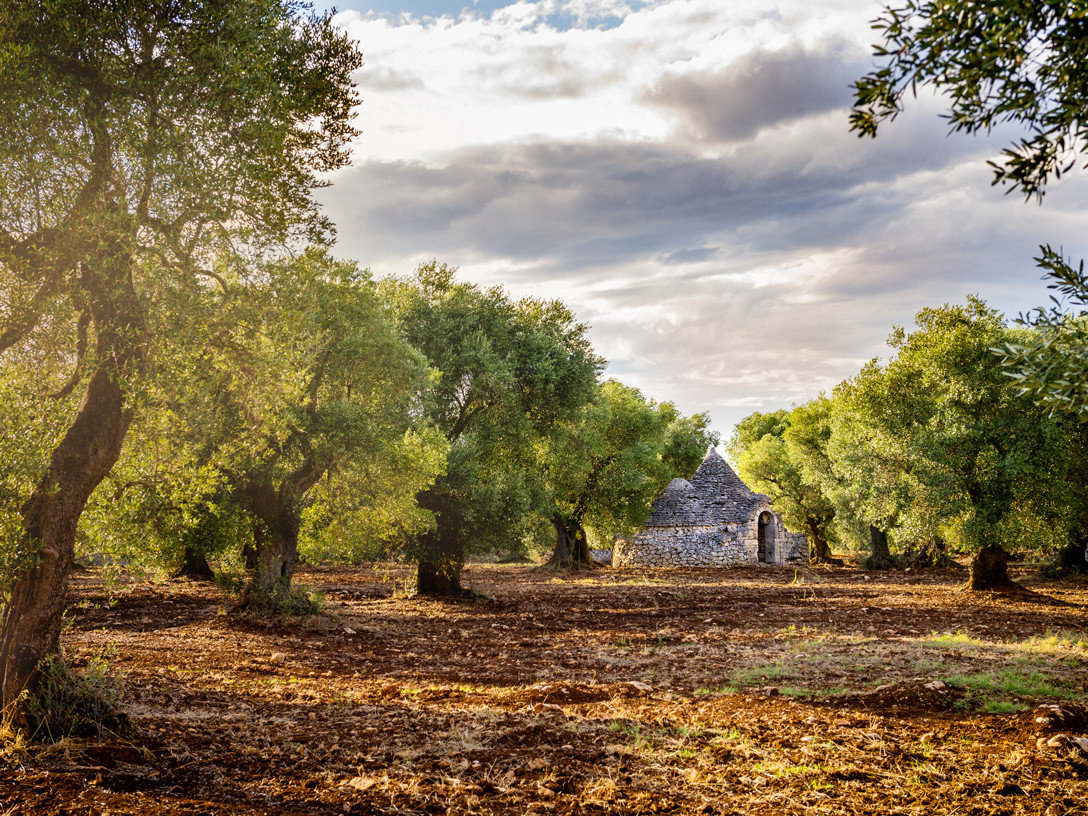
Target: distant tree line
937, 452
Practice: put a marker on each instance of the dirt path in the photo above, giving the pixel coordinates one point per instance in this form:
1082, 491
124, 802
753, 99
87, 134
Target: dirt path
749, 690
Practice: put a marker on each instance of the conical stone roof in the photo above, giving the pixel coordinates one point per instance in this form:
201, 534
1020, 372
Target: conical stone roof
726, 498
678, 505
714, 496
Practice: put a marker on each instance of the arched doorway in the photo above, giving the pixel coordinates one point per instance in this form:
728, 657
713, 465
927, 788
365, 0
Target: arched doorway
765, 553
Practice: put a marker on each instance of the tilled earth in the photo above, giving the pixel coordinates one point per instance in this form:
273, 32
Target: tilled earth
745, 690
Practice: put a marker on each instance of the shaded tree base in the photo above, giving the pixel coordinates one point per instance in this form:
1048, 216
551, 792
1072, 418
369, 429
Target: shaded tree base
433, 581
558, 564
879, 563
990, 573
1072, 558
194, 566
880, 557
990, 570
291, 601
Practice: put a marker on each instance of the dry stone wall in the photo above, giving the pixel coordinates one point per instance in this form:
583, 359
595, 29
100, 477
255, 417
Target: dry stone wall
710, 546
680, 547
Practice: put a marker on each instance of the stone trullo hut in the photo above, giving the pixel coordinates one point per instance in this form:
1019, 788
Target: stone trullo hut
712, 521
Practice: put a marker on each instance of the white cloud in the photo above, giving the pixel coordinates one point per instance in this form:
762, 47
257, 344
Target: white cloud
680, 172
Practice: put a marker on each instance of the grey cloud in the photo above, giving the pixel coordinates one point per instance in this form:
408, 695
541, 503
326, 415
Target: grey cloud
761, 89
689, 256
610, 202
650, 244
381, 78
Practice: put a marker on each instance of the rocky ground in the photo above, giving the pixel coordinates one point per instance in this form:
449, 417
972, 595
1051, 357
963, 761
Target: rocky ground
753, 690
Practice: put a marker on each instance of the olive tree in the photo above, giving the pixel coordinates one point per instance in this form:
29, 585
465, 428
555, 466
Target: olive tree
138, 138
604, 467
509, 373
1003, 62
937, 442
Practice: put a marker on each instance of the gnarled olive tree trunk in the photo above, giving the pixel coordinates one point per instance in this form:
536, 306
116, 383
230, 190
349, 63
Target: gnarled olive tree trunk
276, 522
438, 572
82, 459
881, 555
990, 570
571, 546
194, 564
821, 550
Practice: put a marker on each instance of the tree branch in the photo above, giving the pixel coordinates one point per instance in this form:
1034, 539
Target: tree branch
81, 356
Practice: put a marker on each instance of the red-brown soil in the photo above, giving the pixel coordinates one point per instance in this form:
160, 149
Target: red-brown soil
747, 690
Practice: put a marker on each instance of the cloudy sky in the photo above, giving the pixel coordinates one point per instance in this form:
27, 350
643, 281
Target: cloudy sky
680, 173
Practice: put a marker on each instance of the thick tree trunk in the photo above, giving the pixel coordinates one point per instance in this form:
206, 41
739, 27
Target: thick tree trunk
32, 616
1074, 557
990, 570
439, 572
821, 550
195, 565
82, 459
881, 556
249, 556
275, 533
571, 547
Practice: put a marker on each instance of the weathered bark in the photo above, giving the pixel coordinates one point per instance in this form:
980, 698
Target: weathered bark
571, 547
249, 556
82, 459
439, 573
880, 557
990, 570
276, 522
84, 456
195, 565
821, 550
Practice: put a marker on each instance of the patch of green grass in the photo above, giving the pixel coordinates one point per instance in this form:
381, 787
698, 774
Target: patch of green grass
928, 666
793, 691
754, 675
950, 640
1069, 644
1002, 707
637, 741
989, 690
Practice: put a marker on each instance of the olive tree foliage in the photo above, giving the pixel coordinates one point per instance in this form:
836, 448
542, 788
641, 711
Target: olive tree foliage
138, 139
509, 373
938, 448
1015, 62
344, 415
1050, 362
604, 466
783, 454
996, 62
296, 413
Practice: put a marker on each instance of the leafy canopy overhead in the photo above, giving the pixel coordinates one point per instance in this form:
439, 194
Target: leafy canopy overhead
997, 61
